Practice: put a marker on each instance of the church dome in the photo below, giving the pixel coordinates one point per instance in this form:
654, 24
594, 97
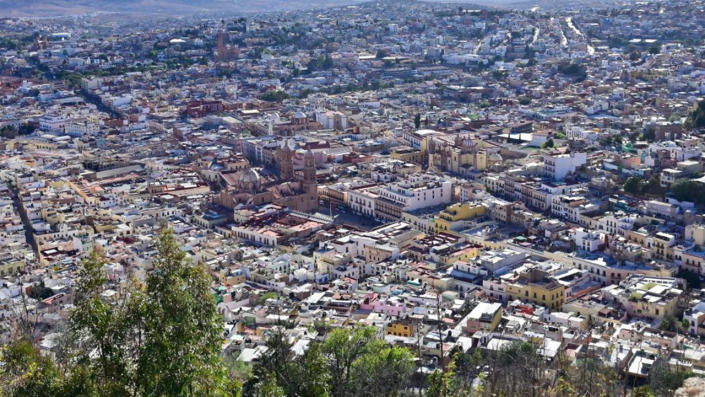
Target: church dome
249, 179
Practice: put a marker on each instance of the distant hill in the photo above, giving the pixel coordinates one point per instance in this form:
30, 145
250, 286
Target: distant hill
543, 5
42, 8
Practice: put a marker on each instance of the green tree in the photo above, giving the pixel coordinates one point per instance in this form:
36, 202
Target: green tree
691, 278
574, 70
162, 339
696, 118
516, 370
441, 383
383, 373
266, 296
312, 369
81, 382
548, 144
649, 134
670, 323
40, 291
305, 375
467, 366
268, 387
349, 362
24, 372
8, 131
26, 129
688, 190
102, 327
344, 347
276, 361
635, 55
274, 96
653, 186
417, 120
663, 380
180, 329
633, 185
499, 74
643, 391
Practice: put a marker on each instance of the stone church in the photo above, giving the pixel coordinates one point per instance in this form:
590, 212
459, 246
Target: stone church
254, 186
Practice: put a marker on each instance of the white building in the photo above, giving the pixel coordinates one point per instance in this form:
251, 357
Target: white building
419, 191
362, 201
660, 208
560, 165
669, 175
81, 127
588, 240
679, 151
695, 317
332, 120
417, 138
52, 123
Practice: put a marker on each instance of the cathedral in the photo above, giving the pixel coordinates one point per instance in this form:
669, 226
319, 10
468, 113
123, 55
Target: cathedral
253, 186
225, 52
461, 154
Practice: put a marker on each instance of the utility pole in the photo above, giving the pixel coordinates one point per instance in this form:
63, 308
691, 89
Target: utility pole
440, 327
418, 337
440, 334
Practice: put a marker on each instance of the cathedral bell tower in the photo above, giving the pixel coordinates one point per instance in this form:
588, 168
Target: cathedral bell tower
286, 165
309, 183
309, 168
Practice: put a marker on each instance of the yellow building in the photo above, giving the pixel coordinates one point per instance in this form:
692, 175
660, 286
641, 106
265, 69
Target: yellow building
376, 254
234, 280
325, 261
455, 160
535, 286
11, 267
690, 257
38, 144
484, 317
452, 217
408, 154
400, 328
464, 254
695, 233
647, 296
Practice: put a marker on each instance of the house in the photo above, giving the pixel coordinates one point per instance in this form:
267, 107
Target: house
484, 317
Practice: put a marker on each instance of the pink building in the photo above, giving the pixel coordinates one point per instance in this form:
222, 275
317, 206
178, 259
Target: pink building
391, 307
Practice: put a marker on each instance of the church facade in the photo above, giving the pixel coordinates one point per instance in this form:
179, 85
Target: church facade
250, 187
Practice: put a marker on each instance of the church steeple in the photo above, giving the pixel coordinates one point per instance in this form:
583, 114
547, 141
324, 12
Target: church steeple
309, 167
286, 165
309, 184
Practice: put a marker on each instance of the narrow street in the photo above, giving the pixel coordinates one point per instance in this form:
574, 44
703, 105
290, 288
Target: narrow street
95, 100
29, 235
